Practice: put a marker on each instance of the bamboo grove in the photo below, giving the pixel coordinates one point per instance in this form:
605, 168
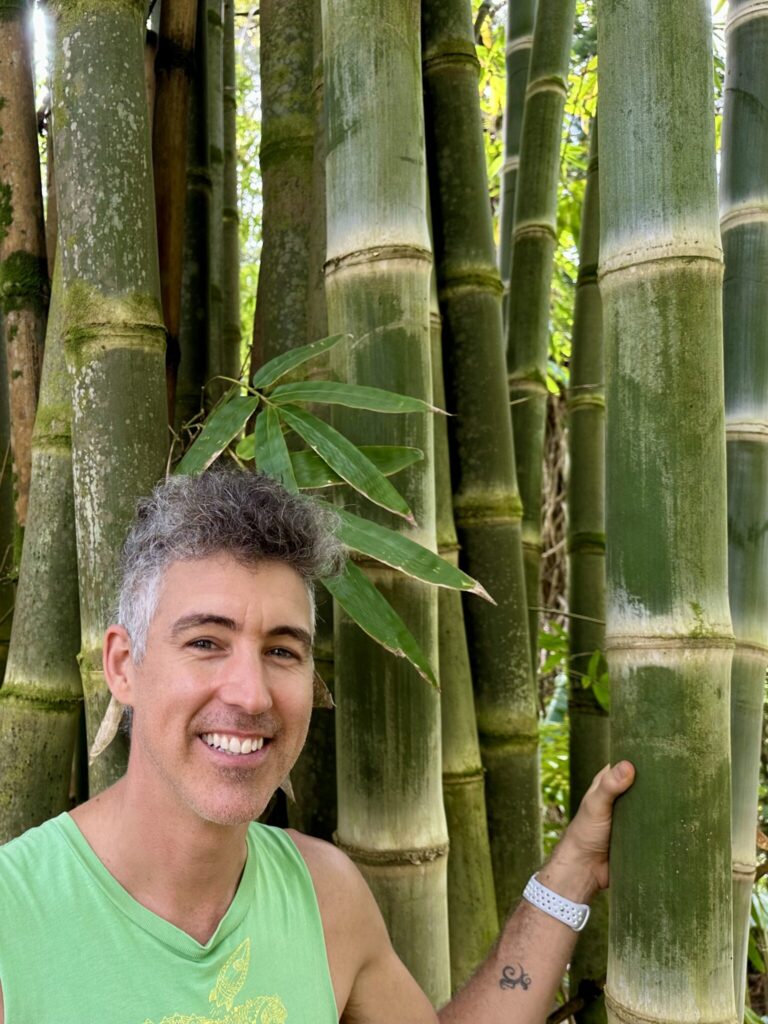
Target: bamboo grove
488, 268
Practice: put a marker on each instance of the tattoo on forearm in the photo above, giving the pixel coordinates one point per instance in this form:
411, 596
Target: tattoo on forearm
510, 978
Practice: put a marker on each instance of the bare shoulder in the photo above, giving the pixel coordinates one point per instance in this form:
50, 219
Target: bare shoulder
370, 981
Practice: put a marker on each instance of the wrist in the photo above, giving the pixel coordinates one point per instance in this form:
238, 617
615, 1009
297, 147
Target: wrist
569, 874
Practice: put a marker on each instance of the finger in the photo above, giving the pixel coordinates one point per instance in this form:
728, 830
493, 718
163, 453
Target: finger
611, 782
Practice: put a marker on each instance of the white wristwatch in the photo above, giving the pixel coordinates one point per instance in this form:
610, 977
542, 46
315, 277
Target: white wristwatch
575, 915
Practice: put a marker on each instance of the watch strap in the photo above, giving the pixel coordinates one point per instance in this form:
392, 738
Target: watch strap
575, 915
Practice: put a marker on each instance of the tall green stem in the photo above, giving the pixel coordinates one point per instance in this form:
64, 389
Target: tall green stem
486, 505
112, 319
391, 818
668, 630
23, 268
285, 156
41, 696
173, 71
520, 18
230, 231
195, 322
472, 915
7, 524
217, 364
744, 226
589, 724
533, 251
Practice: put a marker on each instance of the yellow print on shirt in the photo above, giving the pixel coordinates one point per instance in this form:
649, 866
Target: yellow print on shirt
261, 1010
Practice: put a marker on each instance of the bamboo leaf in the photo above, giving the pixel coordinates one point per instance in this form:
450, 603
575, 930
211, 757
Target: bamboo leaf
312, 471
404, 554
222, 426
354, 396
375, 616
271, 451
282, 364
346, 460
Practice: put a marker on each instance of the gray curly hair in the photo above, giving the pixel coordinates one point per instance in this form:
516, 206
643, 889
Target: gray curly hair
246, 515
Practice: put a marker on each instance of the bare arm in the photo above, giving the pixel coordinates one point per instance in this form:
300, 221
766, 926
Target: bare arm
519, 978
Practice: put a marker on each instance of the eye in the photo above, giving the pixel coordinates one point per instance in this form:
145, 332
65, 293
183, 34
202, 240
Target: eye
283, 652
202, 644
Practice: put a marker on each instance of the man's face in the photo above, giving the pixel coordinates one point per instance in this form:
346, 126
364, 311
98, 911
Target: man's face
222, 699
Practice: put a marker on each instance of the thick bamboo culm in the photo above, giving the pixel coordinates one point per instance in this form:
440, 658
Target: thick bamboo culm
41, 696
391, 817
230, 229
520, 18
112, 319
472, 917
7, 523
486, 503
668, 633
173, 72
195, 322
214, 65
533, 250
589, 725
744, 227
286, 158
24, 286
314, 774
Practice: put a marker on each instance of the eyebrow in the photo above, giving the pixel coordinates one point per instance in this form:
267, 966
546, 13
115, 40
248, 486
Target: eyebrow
197, 619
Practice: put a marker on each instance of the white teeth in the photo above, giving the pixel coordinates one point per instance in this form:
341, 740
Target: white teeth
232, 744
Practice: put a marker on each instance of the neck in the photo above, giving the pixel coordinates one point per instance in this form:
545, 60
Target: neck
174, 863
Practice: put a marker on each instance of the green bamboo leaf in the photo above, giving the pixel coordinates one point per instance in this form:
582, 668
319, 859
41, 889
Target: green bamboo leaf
312, 471
354, 396
376, 617
347, 460
225, 423
404, 554
282, 364
271, 451
246, 448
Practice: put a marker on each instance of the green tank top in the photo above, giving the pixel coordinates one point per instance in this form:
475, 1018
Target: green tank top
76, 948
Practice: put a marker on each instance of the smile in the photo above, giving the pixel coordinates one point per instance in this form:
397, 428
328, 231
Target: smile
233, 744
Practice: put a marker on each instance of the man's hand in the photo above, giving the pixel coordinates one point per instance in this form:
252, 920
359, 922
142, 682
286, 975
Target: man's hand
583, 850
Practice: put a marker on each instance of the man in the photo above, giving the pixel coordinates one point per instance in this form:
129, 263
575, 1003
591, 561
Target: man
158, 901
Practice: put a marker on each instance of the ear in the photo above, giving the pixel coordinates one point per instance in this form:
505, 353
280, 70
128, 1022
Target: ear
118, 664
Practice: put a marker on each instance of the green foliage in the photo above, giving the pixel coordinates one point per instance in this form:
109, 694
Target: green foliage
332, 459
248, 142
555, 786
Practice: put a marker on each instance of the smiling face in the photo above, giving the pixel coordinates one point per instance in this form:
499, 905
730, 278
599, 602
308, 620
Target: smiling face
222, 698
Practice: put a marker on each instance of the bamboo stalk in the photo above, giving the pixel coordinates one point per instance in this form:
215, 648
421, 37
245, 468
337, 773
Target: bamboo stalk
744, 226
472, 916
41, 696
521, 15
215, 118
286, 160
173, 71
230, 231
113, 329
391, 818
7, 524
668, 631
24, 287
486, 505
589, 723
533, 251
314, 774
195, 323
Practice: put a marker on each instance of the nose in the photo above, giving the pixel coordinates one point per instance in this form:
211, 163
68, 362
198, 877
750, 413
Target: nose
245, 683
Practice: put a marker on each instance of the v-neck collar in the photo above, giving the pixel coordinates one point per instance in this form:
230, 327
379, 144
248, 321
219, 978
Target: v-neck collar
167, 933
